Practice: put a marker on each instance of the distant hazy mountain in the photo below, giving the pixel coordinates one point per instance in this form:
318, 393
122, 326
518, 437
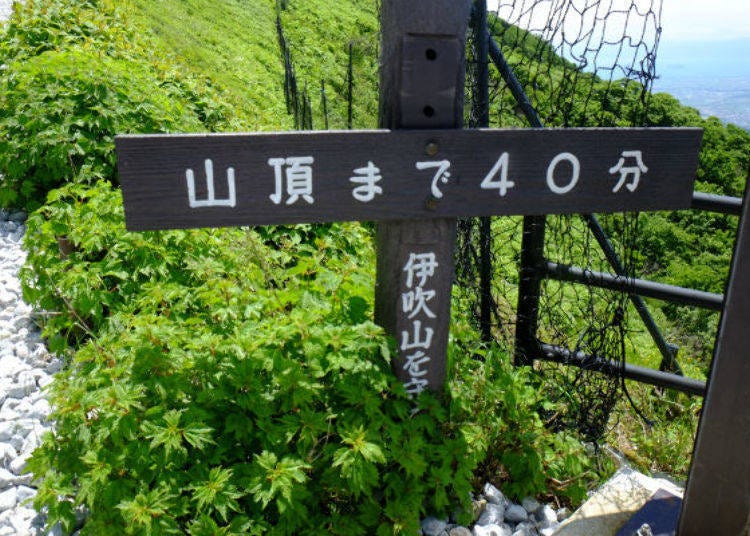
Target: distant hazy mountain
712, 76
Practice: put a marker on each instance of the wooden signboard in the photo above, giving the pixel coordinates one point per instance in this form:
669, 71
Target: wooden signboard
415, 177
301, 177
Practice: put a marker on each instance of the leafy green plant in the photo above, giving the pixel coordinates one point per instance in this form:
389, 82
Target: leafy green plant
82, 266
74, 77
283, 422
36, 27
60, 112
224, 385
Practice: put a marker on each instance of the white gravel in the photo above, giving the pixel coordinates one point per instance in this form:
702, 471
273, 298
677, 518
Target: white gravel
25, 369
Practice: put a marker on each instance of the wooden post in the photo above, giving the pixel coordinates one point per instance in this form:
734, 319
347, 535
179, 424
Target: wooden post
717, 498
421, 86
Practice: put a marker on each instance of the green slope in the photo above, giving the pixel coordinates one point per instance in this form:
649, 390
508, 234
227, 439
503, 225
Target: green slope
235, 44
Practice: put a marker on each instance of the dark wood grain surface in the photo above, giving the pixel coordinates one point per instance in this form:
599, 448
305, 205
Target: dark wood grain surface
421, 86
153, 172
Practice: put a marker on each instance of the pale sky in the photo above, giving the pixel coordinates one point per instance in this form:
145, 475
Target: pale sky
707, 20
682, 20
698, 36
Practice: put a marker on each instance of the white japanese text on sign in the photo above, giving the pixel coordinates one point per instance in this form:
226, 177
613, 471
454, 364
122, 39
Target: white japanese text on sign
294, 178
416, 342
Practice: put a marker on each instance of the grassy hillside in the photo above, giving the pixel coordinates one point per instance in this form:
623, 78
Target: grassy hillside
235, 44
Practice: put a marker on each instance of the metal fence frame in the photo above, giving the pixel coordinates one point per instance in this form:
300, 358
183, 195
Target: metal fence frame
534, 268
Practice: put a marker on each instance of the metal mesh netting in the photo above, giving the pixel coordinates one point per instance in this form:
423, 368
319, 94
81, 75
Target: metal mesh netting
585, 319
580, 63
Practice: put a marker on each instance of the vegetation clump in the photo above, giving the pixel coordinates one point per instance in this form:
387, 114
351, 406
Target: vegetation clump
66, 93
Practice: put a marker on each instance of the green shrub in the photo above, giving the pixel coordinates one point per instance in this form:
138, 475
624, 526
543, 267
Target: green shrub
289, 422
73, 77
226, 386
83, 266
60, 111
39, 26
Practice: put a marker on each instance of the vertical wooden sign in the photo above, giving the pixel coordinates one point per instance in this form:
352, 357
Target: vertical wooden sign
422, 69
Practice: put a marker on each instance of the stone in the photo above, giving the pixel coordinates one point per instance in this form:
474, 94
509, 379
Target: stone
494, 495
24, 479
82, 514
431, 526
27, 512
493, 514
54, 367
24, 426
32, 441
7, 479
10, 404
21, 519
546, 515
27, 380
549, 531
45, 379
24, 492
17, 442
23, 408
18, 216
33, 398
8, 499
644, 530
7, 453
477, 507
8, 411
6, 431
20, 335
20, 390
22, 351
515, 513
492, 530
525, 529
530, 504
563, 514
21, 308
6, 298
11, 365
40, 410
459, 531
56, 530
38, 520
18, 465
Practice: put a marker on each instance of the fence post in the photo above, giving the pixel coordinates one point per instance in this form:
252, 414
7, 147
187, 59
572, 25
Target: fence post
480, 118
529, 289
717, 498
